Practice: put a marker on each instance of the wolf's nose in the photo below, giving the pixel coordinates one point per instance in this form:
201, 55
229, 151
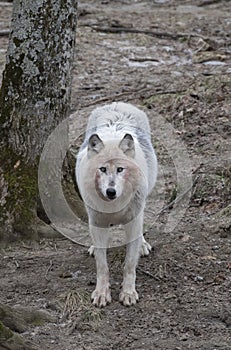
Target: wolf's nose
111, 193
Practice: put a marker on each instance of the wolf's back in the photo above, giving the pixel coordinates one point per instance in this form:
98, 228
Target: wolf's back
118, 113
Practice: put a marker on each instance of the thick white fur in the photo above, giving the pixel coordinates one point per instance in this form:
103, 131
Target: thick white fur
111, 123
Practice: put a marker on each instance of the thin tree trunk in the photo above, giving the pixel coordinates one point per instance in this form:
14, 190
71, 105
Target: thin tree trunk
34, 98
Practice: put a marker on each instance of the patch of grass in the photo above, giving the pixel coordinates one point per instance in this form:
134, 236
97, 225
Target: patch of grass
79, 312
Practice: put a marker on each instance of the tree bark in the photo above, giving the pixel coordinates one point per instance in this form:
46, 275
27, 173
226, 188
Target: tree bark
34, 98
17, 320
10, 340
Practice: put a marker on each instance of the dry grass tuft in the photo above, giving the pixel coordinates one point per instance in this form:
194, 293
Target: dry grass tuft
79, 312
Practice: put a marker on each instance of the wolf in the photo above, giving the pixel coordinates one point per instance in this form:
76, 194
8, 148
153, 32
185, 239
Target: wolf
116, 169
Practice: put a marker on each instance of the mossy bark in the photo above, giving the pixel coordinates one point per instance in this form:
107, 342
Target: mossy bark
12, 341
34, 98
18, 320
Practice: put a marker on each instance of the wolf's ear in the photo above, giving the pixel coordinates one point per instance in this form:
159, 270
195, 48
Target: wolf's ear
95, 144
127, 145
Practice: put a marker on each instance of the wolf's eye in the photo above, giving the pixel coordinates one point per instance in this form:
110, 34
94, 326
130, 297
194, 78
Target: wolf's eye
120, 169
103, 169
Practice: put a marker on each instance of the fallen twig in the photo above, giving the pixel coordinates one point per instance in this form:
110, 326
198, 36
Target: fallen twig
209, 2
6, 3
160, 35
130, 92
16, 263
48, 269
4, 32
106, 98
147, 273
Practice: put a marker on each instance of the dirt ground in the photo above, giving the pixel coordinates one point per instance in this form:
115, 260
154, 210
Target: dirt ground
171, 58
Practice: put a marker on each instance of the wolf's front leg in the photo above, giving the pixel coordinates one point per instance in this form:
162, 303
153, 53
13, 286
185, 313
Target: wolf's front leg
128, 295
102, 294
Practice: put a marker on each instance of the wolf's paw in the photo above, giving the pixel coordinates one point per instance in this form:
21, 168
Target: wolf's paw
91, 250
145, 248
101, 297
129, 298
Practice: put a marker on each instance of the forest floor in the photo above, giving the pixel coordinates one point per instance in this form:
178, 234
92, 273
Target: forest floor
171, 58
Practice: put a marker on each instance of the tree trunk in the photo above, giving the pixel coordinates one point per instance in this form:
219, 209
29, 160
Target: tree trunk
10, 340
18, 320
34, 98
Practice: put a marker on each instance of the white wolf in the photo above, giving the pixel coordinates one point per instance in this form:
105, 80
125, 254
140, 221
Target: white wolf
116, 169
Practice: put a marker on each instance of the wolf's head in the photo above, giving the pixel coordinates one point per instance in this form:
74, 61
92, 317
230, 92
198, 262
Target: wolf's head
115, 170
